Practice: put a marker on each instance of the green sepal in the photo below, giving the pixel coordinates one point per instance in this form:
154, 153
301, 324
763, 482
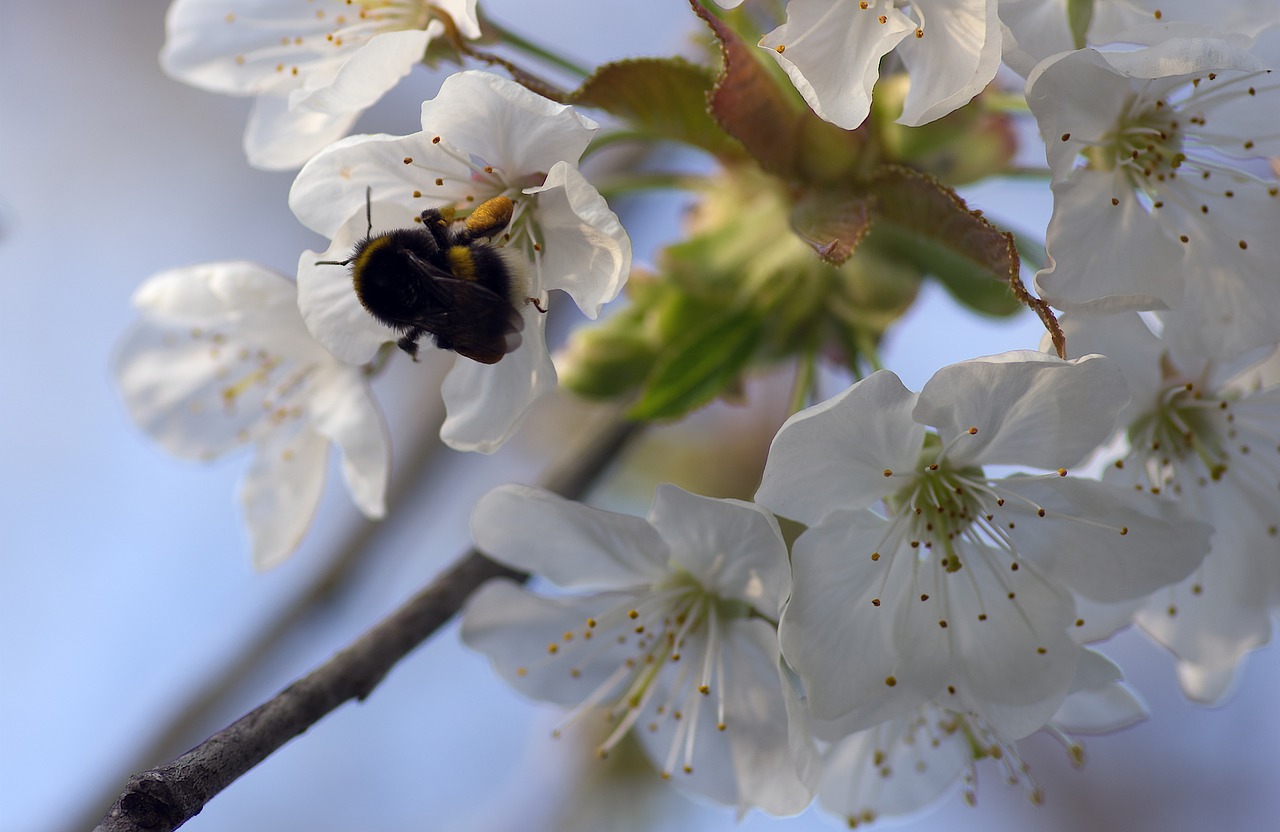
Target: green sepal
665, 98
832, 223
923, 222
1079, 16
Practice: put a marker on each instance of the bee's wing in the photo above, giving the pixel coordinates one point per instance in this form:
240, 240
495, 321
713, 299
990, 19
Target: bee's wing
467, 317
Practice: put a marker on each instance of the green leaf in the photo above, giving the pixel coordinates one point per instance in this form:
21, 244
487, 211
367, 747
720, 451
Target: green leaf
663, 97
696, 368
1079, 16
923, 222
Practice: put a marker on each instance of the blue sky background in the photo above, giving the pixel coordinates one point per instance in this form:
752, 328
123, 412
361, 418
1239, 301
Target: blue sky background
125, 581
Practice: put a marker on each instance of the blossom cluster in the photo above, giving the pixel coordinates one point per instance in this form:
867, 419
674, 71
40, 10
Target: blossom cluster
956, 551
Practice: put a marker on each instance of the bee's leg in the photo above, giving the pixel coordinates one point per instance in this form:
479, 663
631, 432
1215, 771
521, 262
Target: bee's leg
435, 222
537, 304
409, 343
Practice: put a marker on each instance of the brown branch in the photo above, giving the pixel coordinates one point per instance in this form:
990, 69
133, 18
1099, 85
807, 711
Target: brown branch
196, 714
164, 798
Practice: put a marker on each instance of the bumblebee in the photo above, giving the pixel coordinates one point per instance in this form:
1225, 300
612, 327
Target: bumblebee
448, 282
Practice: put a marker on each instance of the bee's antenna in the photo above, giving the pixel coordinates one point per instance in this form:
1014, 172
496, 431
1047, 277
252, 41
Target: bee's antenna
368, 210
368, 218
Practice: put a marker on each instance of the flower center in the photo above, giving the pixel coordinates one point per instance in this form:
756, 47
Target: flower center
941, 505
1188, 431
665, 646
1187, 135
1147, 144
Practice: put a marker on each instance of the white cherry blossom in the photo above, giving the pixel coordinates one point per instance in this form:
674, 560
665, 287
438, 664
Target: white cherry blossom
907, 763
483, 137
221, 360
1207, 436
1037, 29
1163, 196
669, 633
313, 65
921, 576
831, 50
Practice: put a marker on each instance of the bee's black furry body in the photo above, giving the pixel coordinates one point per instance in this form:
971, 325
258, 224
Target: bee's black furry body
444, 281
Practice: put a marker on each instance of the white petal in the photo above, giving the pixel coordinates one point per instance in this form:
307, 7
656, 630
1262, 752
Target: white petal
955, 59
1099, 702
1096, 620
1207, 684
831, 51
875, 632
568, 543
894, 768
1107, 543
215, 293
842, 644
370, 72
1107, 253
733, 548
515, 627
1231, 290
1212, 619
280, 492
1126, 340
343, 411
236, 49
749, 763
218, 354
486, 402
1012, 661
833, 456
586, 251
463, 13
1036, 30
171, 385
1095, 672
1029, 408
280, 137
331, 188
1187, 56
505, 125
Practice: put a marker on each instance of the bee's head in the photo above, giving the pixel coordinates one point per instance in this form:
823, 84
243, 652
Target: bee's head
388, 282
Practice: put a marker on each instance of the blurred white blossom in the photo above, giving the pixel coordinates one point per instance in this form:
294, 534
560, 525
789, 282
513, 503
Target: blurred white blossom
1037, 29
313, 65
221, 360
1206, 435
905, 764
